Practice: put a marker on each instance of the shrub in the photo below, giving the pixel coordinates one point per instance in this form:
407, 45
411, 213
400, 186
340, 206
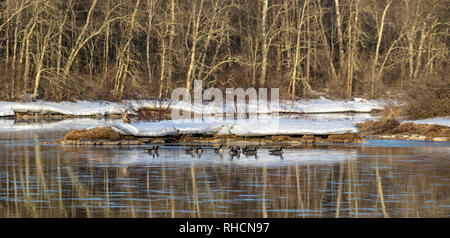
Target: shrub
429, 97
99, 133
149, 110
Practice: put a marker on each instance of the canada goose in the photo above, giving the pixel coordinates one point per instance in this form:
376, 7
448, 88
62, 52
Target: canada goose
199, 150
235, 151
248, 149
126, 117
153, 150
250, 152
277, 152
219, 150
191, 150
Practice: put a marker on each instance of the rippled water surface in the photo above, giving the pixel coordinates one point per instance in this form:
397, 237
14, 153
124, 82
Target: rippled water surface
377, 179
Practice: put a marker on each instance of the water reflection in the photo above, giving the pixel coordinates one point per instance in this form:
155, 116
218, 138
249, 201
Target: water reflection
370, 180
177, 157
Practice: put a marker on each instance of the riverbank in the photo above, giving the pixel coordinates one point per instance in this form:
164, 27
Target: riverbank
58, 110
235, 132
280, 131
434, 129
313, 121
230, 140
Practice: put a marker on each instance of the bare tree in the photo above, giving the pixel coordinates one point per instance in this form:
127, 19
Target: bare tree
115, 48
380, 27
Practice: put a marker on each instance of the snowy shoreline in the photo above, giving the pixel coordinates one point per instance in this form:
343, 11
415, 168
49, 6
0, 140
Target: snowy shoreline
256, 127
443, 121
105, 108
314, 117
253, 127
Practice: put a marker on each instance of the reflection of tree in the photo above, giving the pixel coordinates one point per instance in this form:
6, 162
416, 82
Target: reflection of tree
382, 182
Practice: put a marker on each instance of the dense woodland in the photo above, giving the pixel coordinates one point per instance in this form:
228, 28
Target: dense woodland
116, 49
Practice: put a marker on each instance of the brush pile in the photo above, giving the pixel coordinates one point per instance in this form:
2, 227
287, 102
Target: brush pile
99, 133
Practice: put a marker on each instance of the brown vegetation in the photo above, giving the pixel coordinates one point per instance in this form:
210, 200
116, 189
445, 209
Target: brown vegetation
344, 138
377, 127
99, 133
393, 127
107, 136
430, 131
155, 112
390, 116
116, 49
430, 98
152, 114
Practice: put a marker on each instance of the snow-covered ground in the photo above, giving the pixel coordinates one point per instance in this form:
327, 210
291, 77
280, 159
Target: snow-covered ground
254, 127
10, 125
79, 108
321, 116
86, 108
445, 121
335, 123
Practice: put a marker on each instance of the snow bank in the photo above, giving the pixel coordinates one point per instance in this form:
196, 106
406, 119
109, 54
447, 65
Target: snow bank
255, 127
286, 106
9, 125
86, 108
445, 121
291, 127
326, 105
212, 125
79, 108
306, 123
165, 128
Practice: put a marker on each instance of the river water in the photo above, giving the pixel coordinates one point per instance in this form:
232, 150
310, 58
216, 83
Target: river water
375, 179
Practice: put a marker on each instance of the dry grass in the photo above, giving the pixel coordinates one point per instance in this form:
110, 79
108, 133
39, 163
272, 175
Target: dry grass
393, 127
391, 112
377, 127
421, 129
99, 133
429, 97
390, 116
152, 114
345, 136
157, 111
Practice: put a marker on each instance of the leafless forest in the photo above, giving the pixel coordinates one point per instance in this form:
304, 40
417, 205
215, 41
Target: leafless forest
116, 49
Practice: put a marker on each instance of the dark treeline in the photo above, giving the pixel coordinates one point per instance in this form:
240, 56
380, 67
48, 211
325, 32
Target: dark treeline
115, 49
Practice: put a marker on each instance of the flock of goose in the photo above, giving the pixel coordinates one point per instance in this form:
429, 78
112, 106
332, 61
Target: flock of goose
235, 151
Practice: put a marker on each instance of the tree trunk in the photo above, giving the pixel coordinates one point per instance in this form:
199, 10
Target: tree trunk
171, 38
265, 46
340, 37
325, 42
195, 38
377, 50
297, 59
